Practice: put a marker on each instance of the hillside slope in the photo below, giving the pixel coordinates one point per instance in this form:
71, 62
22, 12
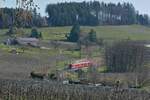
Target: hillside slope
135, 32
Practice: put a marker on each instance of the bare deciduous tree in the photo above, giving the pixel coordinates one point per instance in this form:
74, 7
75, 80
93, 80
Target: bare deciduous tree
129, 56
125, 56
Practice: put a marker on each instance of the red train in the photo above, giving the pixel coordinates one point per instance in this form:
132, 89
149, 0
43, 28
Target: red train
81, 64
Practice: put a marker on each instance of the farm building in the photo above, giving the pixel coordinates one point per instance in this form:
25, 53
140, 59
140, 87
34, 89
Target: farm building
28, 41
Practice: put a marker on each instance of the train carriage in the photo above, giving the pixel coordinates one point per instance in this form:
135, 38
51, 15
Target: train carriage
81, 64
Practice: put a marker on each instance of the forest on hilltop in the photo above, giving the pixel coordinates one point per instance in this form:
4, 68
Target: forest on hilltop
92, 13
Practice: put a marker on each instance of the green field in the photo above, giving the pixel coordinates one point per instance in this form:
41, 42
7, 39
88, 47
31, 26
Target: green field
134, 32
37, 59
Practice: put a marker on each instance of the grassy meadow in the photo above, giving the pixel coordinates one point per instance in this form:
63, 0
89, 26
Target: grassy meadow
134, 32
45, 60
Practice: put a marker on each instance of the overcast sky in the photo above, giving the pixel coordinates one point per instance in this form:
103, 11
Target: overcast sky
141, 5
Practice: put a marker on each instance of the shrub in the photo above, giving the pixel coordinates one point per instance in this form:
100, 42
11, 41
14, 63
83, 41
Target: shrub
35, 33
92, 36
74, 33
15, 31
12, 30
